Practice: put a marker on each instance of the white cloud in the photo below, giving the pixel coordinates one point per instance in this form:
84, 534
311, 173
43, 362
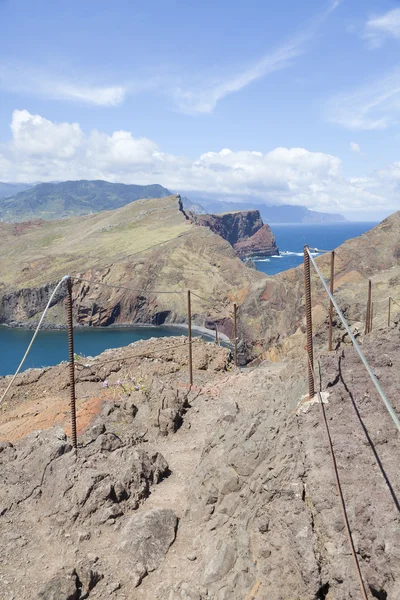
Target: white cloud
102, 96
35, 135
354, 147
375, 106
28, 80
379, 27
41, 150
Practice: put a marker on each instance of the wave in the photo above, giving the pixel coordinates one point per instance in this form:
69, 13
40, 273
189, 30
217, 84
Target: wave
262, 259
289, 253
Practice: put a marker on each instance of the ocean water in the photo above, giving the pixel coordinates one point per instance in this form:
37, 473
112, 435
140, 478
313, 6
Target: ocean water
291, 239
51, 347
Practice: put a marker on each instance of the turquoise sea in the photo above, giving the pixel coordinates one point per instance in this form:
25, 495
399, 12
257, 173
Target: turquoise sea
51, 347
291, 239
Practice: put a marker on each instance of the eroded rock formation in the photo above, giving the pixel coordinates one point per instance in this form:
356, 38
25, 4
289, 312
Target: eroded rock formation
244, 230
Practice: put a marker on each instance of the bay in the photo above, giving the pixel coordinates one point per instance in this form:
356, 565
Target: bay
51, 346
291, 238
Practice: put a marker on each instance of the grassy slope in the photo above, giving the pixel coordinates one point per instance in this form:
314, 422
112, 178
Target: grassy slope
38, 252
147, 245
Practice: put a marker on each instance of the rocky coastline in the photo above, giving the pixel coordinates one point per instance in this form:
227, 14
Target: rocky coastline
244, 230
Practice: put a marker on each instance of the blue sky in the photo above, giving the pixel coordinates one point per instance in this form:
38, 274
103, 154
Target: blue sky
289, 102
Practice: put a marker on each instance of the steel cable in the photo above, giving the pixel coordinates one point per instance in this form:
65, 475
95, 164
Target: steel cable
356, 346
34, 336
338, 486
200, 297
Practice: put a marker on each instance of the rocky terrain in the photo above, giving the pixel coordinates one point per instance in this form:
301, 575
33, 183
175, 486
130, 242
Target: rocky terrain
244, 230
222, 491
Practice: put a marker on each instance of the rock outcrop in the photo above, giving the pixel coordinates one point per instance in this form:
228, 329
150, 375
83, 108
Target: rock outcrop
244, 230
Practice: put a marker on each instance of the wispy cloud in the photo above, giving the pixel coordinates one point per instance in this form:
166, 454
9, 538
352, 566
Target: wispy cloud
375, 106
27, 80
203, 98
190, 97
354, 147
380, 27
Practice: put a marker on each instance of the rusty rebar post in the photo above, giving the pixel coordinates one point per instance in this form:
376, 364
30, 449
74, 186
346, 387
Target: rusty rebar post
368, 315
330, 303
307, 285
372, 316
389, 309
68, 303
189, 310
216, 335
235, 333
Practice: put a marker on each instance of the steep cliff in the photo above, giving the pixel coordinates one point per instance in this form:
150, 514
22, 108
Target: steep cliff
244, 230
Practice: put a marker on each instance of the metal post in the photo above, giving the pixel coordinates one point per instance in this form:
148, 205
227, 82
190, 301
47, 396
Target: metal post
189, 308
68, 303
372, 316
330, 303
368, 315
216, 335
235, 333
390, 300
307, 285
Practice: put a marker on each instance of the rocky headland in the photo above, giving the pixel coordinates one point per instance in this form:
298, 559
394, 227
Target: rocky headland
244, 230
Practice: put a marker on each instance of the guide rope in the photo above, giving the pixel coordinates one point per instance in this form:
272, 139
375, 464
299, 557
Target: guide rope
375, 381
338, 486
34, 335
200, 297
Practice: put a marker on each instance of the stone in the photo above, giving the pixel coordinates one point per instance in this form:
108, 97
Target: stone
219, 560
63, 586
146, 538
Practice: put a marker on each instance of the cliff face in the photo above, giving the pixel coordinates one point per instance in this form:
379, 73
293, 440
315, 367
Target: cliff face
244, 230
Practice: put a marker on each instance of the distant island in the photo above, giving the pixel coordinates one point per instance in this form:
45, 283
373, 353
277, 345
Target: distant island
22, 202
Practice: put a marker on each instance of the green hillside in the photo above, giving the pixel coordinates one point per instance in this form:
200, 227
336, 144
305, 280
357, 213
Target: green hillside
73, 198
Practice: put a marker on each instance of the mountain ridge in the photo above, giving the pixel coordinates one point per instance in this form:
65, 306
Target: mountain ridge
57, 200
